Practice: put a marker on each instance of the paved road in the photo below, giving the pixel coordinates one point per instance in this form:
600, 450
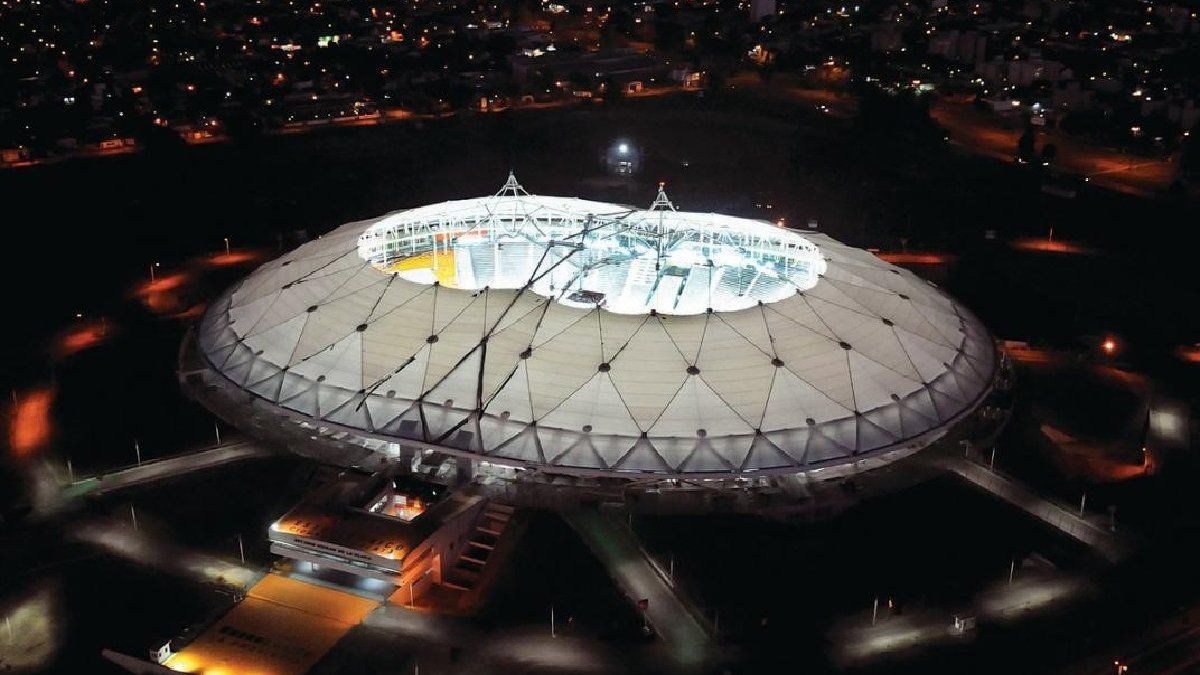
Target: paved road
986, 134
1170, 648
617, 548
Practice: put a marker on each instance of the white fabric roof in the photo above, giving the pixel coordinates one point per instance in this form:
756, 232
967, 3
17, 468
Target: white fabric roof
870, 358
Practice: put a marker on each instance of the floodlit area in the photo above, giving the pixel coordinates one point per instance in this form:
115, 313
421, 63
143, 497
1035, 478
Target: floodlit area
586, 254
862, 640
124, 540
282, 627
33, 630
862, 644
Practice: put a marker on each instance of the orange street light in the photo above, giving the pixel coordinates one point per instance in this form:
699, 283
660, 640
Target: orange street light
1109, 346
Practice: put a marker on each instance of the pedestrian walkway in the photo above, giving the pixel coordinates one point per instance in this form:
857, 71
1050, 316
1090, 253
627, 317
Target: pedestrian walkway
617, 548
1108, 543
161, 469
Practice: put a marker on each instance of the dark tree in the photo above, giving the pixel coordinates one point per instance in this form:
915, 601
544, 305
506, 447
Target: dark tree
1026, 147
1049, 153
1189, 158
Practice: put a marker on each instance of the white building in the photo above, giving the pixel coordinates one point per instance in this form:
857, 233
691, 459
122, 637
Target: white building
560, 337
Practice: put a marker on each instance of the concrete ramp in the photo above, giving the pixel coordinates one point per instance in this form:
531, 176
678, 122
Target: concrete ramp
1097, 536
162, 469
616, 546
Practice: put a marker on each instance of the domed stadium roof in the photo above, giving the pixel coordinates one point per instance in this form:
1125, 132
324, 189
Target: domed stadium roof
598, 339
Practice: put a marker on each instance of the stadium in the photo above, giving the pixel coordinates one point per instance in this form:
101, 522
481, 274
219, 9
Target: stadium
530, 341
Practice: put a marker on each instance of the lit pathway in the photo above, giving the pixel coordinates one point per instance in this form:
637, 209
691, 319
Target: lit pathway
617, 548
524, 649
161, 469
857, 640
121, 539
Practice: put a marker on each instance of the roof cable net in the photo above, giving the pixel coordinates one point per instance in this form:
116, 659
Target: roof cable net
540, 354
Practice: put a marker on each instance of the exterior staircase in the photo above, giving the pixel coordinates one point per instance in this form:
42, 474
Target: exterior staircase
468, 569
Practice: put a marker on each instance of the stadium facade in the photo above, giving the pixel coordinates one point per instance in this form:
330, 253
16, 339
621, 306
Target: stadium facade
539, 341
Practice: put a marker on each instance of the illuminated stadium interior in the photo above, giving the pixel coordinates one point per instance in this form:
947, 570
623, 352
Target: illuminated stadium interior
584, 254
